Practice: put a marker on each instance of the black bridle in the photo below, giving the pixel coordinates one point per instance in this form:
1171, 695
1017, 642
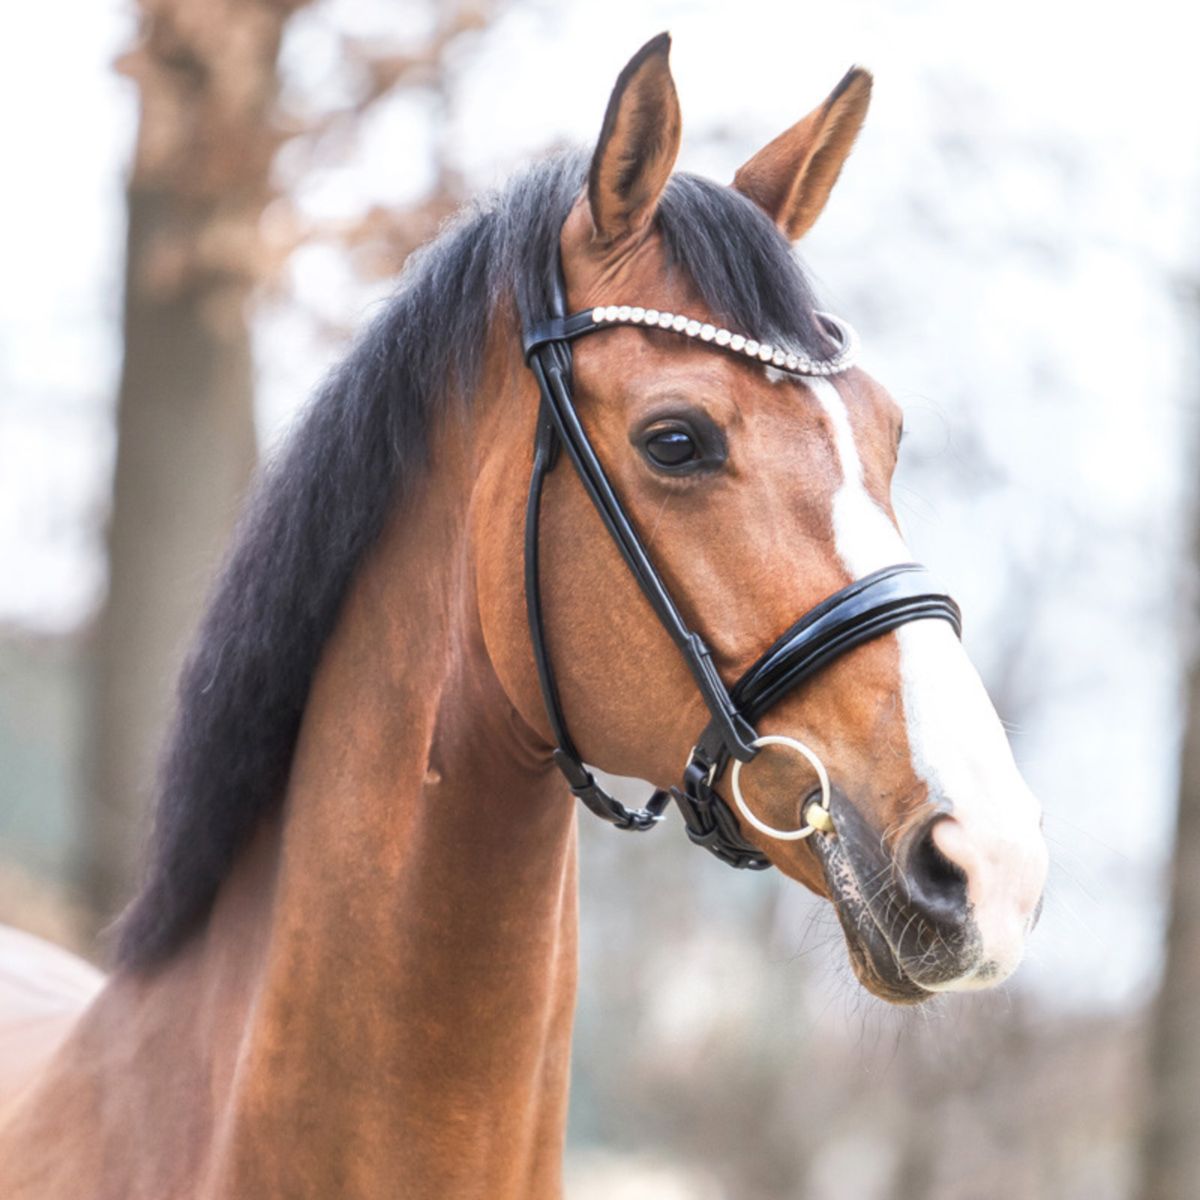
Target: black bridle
866, 609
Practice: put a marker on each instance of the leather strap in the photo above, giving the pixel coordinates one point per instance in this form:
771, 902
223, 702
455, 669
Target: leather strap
862, 611
556, 329
865, 609
582, 782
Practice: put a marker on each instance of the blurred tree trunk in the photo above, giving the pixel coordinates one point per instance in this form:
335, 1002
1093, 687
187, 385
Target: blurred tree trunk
206, 75
1171, 1140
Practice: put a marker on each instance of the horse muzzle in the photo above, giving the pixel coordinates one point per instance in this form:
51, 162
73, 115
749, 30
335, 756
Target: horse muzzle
911, 925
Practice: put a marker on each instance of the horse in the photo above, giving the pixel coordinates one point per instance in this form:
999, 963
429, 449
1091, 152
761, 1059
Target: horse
351, 967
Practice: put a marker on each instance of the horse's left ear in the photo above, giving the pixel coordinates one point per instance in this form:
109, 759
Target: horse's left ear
791, 177
638, 144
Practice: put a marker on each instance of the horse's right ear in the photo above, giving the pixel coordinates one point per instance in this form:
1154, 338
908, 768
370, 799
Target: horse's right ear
638, 144
791, 178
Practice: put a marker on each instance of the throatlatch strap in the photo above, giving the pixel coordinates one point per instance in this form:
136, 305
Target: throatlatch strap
581, 781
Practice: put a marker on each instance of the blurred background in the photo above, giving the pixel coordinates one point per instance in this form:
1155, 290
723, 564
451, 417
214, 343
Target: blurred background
204, 198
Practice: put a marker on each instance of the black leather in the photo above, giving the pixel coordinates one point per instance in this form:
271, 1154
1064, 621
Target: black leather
556, 329
861, 611
865, 609
581, 781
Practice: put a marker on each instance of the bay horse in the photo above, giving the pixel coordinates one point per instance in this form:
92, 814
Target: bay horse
351, 968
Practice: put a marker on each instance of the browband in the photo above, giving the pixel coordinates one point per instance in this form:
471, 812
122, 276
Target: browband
567, 329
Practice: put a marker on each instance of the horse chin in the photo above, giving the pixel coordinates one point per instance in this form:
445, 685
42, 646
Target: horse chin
875, 964
871, 955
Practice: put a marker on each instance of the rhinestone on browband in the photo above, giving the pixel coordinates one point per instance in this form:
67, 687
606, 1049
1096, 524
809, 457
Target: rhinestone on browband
737, 343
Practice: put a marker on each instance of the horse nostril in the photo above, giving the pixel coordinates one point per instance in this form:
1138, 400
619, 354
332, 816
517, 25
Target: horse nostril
937, 887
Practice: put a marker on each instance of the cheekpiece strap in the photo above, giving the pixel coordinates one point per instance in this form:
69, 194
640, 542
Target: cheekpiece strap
556, 329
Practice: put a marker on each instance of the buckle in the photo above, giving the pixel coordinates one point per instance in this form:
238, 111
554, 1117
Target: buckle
602, 803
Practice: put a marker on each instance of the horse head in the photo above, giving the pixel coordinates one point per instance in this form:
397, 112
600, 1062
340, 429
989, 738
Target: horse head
759, 484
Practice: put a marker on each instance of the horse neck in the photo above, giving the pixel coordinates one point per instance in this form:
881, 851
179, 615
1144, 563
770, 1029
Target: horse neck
412, 1025
381, 1000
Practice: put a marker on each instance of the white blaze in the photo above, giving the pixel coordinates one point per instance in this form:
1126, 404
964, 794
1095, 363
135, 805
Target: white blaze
956, 742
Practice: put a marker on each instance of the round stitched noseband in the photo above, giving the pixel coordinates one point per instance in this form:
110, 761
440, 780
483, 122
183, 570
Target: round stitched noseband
866, 609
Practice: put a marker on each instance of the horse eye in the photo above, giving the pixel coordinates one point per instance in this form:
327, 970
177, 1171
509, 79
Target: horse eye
671, 448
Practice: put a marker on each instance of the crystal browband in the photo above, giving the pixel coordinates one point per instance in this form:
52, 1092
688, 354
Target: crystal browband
578, 324
737, 343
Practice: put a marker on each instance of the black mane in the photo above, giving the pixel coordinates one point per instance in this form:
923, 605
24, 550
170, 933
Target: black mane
360, 449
